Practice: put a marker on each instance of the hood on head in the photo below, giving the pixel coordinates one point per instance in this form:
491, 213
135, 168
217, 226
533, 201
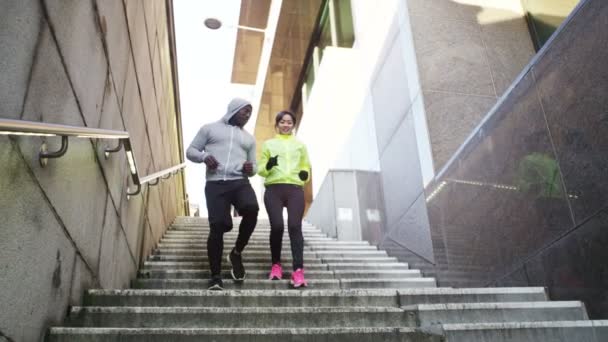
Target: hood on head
233, 107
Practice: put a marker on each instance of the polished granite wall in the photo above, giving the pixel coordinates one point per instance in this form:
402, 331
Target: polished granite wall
467, 53
525, 200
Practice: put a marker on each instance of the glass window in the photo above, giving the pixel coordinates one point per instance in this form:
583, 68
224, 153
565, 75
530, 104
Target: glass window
309, 79
345, 36
344, 23
325, 27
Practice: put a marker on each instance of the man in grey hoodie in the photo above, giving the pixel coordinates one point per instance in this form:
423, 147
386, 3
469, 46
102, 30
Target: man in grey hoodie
229, 153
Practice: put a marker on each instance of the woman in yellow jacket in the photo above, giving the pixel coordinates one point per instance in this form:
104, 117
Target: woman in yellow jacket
286, 167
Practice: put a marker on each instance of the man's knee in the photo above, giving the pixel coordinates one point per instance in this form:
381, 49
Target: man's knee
219, 226
215, 235
249, 210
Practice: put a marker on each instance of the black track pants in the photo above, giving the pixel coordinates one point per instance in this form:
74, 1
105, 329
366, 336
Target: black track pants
291, 196
220, 195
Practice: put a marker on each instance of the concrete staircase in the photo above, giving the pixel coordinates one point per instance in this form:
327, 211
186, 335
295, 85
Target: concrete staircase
356, 293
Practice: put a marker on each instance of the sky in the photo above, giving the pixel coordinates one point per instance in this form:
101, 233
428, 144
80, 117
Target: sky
204, 61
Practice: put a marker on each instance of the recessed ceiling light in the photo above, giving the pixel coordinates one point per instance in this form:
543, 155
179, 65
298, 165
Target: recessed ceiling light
213, 23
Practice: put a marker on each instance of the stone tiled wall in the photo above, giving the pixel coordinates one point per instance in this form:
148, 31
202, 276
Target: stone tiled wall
69, 226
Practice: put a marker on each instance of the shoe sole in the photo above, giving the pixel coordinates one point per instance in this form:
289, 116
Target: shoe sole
299, 285
232, 271
276, 278
216, 287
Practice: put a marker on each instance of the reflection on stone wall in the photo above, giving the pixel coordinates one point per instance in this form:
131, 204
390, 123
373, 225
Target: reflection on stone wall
69, 226
524, 200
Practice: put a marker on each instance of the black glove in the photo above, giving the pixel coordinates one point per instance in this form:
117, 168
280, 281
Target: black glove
303, 175
272, 161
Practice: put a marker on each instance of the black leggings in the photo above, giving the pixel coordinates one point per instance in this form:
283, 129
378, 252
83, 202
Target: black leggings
220, 195
291, 196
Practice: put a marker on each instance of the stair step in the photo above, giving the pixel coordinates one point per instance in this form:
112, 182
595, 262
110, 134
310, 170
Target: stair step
360, 260
162, 265
231, 240
471, 295
246, 253
235, 226
248, 284
369, 265
195, 245
206, 274
235, 232
343, 247
243, 317
359, 283
310, 297
376, 274
243, 298
558, 331
266, 253
286, 259
429, 314
388, 334
228, 243
263, 274
266, 246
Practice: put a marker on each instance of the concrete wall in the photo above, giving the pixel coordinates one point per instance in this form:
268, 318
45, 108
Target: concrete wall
69, 226
349, 206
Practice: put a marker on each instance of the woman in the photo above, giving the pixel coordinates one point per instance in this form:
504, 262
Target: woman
286, 168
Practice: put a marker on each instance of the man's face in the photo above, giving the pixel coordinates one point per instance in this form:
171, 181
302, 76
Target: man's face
242, 116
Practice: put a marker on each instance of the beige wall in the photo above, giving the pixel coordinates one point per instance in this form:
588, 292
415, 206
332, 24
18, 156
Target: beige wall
468, 53
69, 226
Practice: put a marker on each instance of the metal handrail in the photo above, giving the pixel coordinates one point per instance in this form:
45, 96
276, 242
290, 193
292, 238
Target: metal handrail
33, 128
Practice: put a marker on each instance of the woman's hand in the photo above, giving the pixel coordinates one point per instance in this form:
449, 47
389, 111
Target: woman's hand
272, 161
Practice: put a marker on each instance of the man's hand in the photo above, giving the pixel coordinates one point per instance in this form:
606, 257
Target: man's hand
303, 175
211, 162
272, 161
248, 168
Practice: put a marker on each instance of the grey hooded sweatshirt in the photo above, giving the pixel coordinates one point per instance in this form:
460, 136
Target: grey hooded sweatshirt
230, 145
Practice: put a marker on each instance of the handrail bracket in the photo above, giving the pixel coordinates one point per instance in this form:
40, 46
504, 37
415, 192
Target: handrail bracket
113, 150
44, 155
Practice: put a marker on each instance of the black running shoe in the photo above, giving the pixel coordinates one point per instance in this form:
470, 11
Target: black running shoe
238, 270
215, 284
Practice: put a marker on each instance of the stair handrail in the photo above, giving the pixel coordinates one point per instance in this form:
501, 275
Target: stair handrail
34, 128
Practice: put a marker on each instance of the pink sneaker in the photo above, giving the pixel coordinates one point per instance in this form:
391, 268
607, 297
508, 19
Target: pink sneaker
297, 278
276, 272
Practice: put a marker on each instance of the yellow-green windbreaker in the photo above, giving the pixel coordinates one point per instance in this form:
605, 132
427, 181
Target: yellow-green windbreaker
293, 158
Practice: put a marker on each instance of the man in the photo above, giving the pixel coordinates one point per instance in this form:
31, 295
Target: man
229, 154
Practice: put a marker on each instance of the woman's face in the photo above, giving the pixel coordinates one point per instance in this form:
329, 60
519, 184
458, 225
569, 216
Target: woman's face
285, 124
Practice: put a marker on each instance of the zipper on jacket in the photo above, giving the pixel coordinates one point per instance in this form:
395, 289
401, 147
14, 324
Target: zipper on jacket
287, 156
229, 151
